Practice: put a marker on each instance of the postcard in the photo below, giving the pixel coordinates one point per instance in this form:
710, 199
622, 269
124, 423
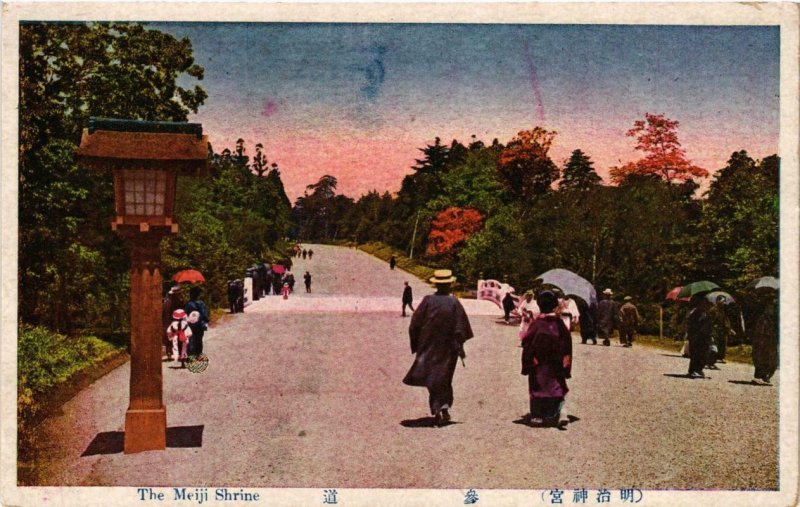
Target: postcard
400, 254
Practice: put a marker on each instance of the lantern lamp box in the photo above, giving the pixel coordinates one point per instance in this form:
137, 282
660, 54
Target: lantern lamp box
145, 159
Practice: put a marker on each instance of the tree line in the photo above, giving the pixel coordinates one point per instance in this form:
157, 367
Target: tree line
509, 212
72, 269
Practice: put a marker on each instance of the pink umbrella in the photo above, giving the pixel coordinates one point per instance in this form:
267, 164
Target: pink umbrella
673, 295
278, 268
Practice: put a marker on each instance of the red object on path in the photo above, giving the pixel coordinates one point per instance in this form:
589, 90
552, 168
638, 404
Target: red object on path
673, 294
278, 268
188, 276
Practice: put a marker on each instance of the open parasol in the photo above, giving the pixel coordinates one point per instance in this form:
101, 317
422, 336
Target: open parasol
188, 276
570, 284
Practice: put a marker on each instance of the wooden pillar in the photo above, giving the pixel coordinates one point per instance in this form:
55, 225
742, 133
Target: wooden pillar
146, 418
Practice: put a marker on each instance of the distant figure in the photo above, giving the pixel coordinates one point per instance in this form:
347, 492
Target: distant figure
408, 298
528, 309
233, 293
277, 283
629, 322
290, 281
172, 302
722, 330
439, 327
285, 290
307, 281
392, 263
509, 303
304, 253
586, 318
547, 361
310, 253
198, 319
607, 317
765, 341
699, 325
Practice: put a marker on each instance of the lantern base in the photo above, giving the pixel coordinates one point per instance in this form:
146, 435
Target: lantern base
145, 430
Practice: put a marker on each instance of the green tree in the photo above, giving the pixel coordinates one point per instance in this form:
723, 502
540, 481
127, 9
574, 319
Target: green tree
740, 220
69, 72
578, 173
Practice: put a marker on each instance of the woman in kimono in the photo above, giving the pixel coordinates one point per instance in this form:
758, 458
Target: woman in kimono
547, 361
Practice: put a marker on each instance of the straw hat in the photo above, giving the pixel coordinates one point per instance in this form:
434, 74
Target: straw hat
441, 276
627, 298
608, 292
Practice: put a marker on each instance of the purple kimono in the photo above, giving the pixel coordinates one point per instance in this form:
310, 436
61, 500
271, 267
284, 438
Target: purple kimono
544, 349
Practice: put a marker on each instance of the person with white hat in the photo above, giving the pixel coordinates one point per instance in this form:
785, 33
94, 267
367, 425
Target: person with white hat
179, 333
607, 317
439, 327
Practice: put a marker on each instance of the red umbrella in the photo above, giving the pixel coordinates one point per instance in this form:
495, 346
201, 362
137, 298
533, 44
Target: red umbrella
188, 276
278, 268
673, 294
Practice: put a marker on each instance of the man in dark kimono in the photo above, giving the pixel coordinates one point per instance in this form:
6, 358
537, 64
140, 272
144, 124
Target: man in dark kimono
439, 327
408, 298
765, 341
547, 361
699, 325
607, 319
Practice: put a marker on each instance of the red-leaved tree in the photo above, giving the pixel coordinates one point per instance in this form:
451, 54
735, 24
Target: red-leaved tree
524, 167
657, 137
451, 227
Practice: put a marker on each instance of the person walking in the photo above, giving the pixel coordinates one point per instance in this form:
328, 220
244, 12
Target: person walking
307, 281
547, 361
408, 298
392, 263
629, 322
607, 317
172, 302
310, 253
439, 327
198, 319
179, 334
699, 326
722, 330
285, 290
527, 311
765, 341
304, 253
509, 303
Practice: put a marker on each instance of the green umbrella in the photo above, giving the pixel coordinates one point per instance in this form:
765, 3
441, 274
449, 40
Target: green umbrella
697, 288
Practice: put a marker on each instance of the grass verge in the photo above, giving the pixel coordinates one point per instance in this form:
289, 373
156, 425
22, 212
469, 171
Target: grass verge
736, 354
385, 252
51, 369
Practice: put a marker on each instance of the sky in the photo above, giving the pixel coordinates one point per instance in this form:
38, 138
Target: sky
358, 101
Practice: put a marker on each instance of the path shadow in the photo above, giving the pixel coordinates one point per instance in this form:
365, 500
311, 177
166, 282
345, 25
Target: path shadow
685, 375
113, 442
424, 422
673, 355
561, 426
748, 383
176, 367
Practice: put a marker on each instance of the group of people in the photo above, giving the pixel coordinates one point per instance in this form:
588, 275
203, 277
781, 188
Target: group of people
439, 328
185, 324
266, 280
302, 252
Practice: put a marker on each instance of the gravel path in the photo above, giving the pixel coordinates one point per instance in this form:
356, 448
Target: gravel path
312, 397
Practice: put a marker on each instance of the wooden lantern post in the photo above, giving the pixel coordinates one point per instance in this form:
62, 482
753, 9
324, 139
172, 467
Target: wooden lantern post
145, 159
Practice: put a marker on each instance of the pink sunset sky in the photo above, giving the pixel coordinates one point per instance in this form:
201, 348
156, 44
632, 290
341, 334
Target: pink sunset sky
357, 101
